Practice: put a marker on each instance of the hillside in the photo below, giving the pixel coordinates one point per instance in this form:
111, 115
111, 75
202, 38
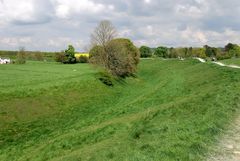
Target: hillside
173, 110
233, 61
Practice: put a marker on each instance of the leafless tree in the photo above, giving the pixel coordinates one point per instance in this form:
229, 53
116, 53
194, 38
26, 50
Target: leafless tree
103, 33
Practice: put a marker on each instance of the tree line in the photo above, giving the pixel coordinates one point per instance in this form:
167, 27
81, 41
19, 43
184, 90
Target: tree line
229, 51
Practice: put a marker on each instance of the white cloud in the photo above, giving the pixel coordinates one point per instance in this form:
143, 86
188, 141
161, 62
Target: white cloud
63, 42
53, 24
194, 35
24, 11
190, 10
147, 1
15, 41
66, 8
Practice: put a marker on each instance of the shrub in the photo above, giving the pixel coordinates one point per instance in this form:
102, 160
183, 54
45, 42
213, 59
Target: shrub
223, 55
119, 57
70, 55
21, 56
60, 57
82, 59
38, 56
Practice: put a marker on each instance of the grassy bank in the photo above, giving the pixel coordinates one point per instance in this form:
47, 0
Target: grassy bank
233, 61
173, 110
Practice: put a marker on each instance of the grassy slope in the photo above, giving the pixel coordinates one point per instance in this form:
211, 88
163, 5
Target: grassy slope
233, 61
172, 111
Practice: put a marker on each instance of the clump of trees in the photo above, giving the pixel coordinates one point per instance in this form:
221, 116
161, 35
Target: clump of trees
68, 56
161, 52
145, 52
117, 56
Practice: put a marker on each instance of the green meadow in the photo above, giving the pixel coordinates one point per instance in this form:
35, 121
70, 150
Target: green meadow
172, 111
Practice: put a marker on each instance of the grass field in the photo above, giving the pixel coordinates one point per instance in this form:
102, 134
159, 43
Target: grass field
233, 61
174, 110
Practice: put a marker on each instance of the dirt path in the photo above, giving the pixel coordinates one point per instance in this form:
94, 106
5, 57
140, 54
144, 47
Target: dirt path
219, 63
224, 65
228, 148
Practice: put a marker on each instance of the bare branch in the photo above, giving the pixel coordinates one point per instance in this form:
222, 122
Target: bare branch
103, 33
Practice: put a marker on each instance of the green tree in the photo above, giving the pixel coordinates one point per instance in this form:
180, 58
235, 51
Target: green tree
161, 52
229, 47
199, 52
70, 55
190, 52
119, 57
145, 51
210, 51
233, 51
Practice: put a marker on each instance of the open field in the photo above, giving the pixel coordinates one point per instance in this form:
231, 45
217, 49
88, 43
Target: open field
174, 110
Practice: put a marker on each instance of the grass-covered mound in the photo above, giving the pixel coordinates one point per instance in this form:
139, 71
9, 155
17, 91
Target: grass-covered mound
172, 111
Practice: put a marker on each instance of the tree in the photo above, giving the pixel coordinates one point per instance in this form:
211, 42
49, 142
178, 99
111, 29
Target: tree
70, 55
161, 52
229, 47
190, 52
199, 52
119, 57
103, 33
181, 52
21, 56
233, 50
145, 51
210, 51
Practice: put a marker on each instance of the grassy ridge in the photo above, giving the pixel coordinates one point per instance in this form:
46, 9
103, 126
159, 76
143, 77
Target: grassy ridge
172, 111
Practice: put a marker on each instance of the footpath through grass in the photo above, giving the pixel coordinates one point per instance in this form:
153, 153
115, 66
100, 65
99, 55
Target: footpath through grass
174, 110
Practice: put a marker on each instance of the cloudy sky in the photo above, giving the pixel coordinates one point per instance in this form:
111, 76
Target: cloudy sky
51, 25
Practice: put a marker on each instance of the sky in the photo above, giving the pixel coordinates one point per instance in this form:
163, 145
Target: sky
50, 25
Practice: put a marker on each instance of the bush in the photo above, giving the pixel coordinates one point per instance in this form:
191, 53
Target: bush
21, 56
82, 59
223, 55
70, 55
38, 56
119, 57
60, 57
